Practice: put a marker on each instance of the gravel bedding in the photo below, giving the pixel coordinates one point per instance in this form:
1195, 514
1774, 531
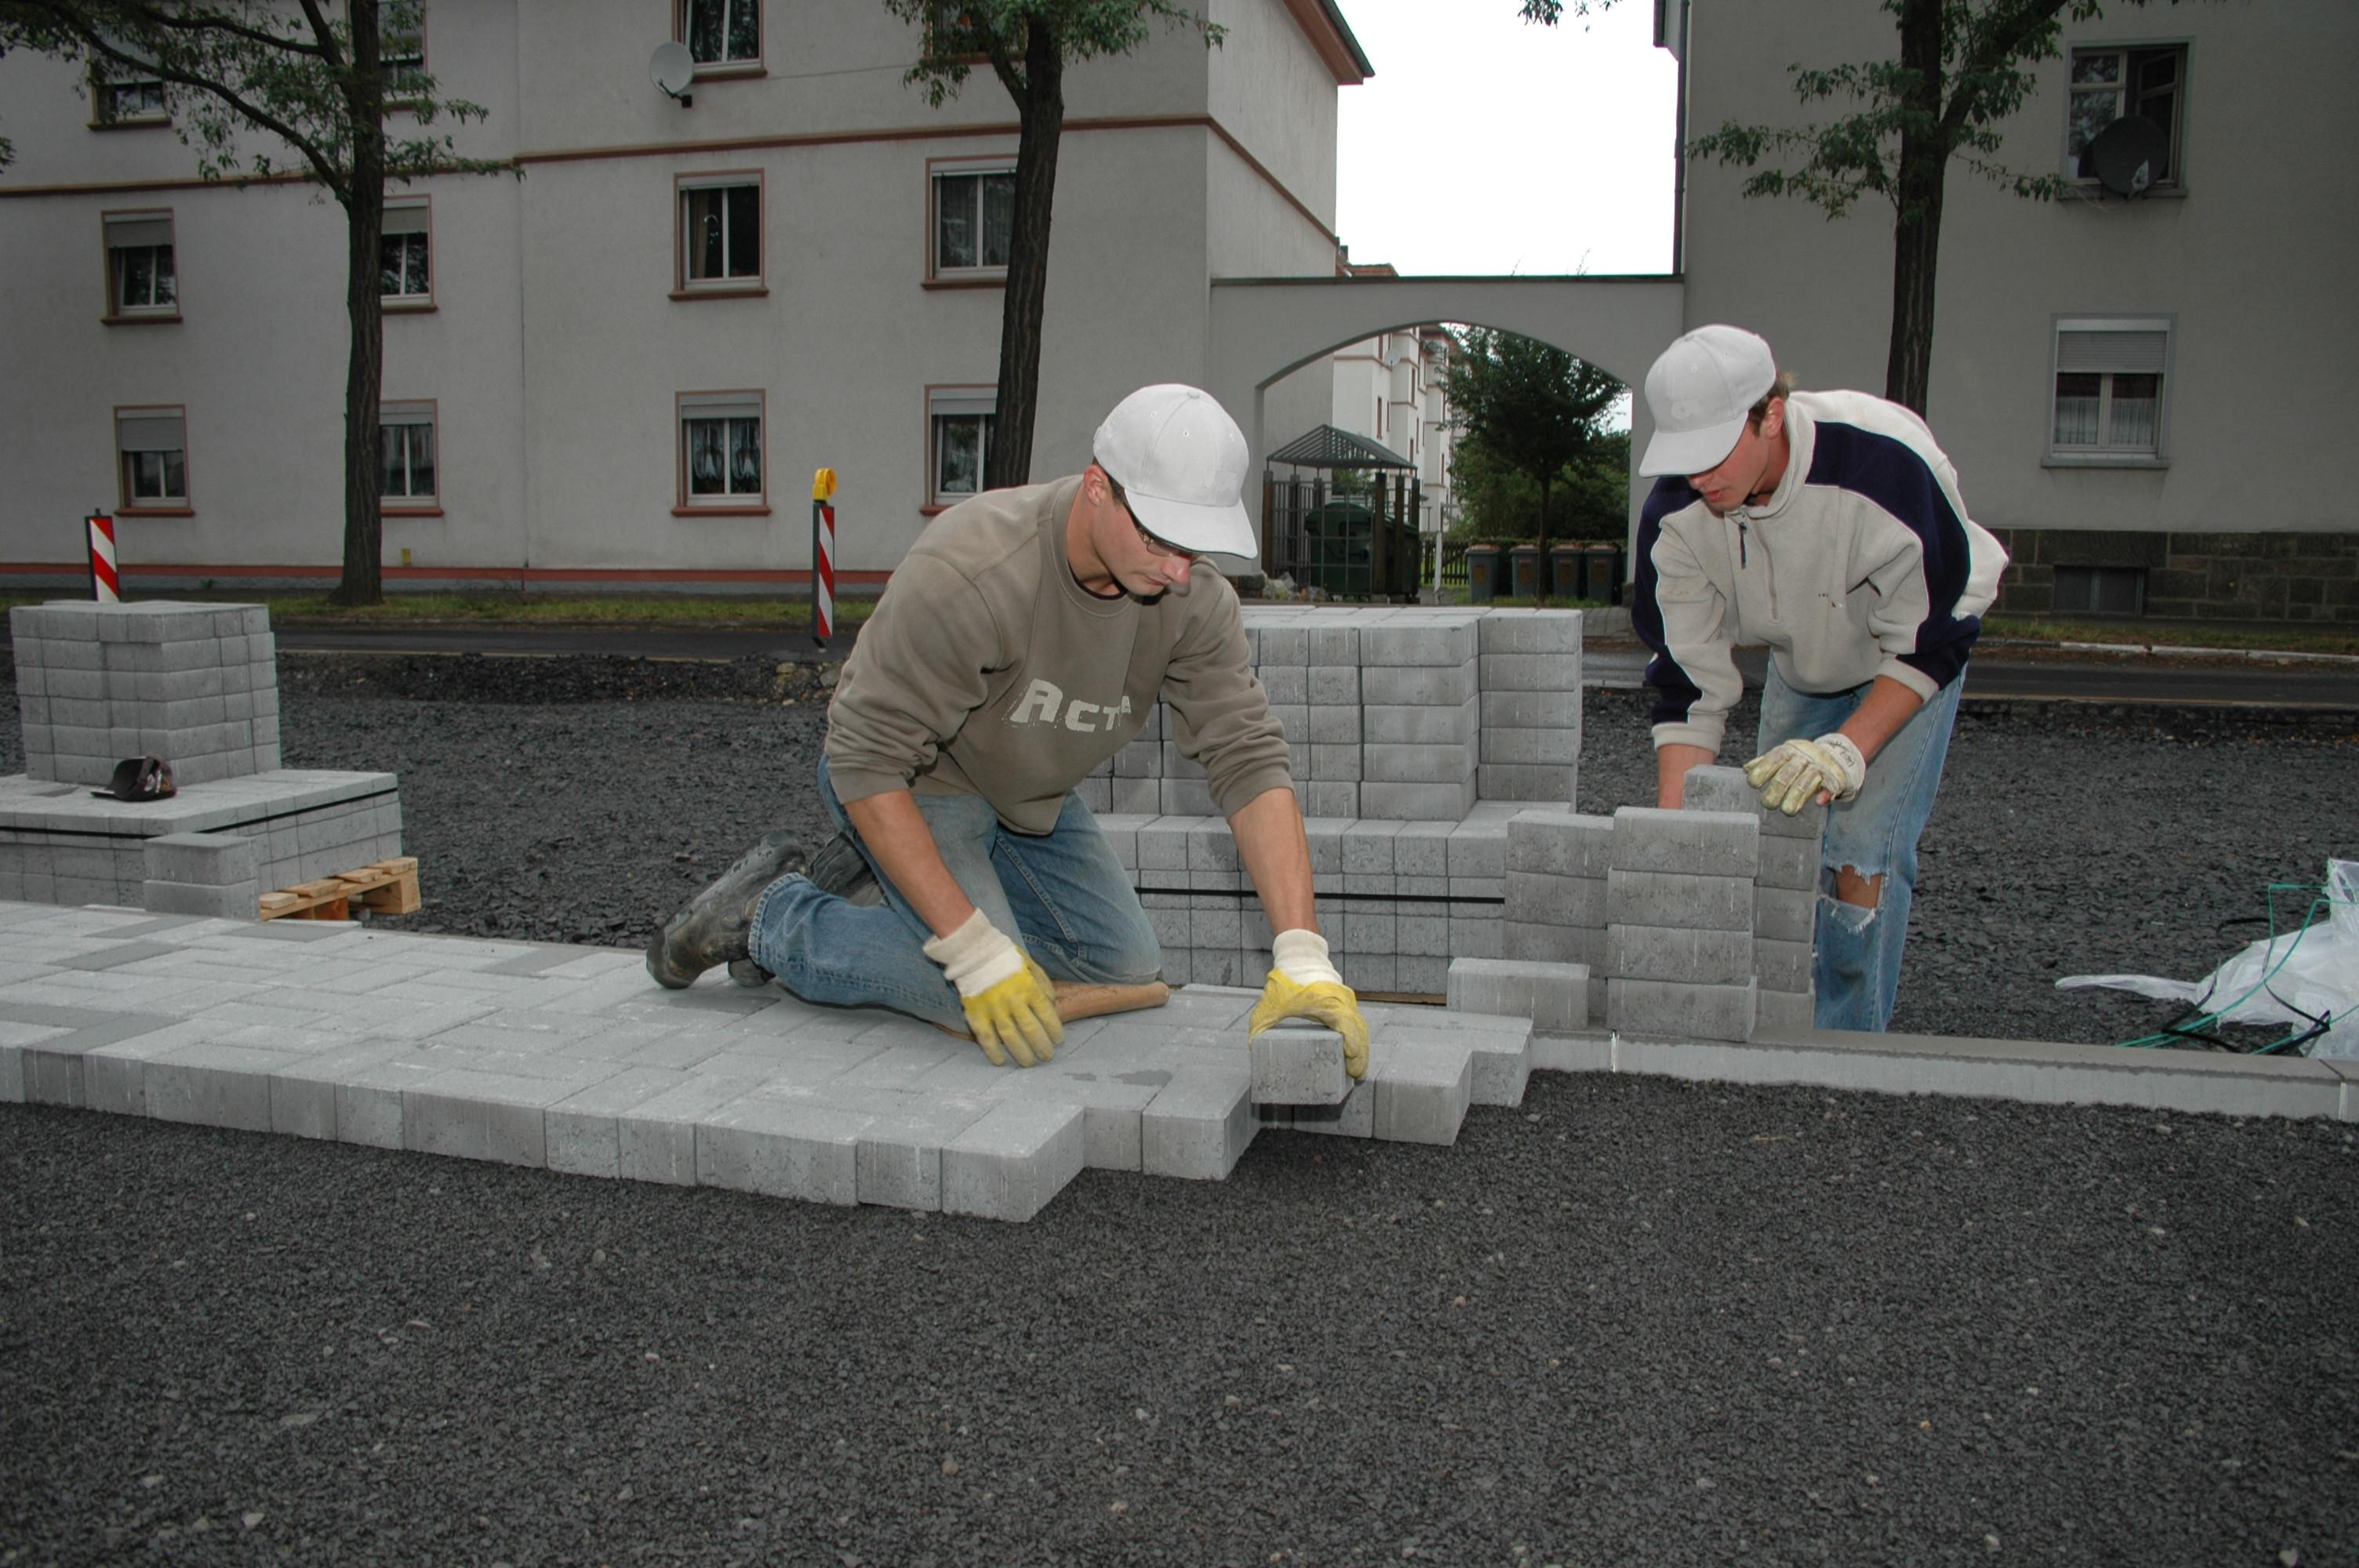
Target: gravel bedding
1631, 1320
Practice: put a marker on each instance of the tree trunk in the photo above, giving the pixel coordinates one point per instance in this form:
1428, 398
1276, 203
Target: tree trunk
1041, 110
1917, 234
363, 581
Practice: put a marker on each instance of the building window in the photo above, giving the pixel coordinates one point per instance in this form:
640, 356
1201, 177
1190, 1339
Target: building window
720, 233
120, 97
721, 449
722, 32
2100, 590
407, 281
959, 421
152, 451
141, 280
974, 216
2111, 82
401, 51
405, 468
2110, 381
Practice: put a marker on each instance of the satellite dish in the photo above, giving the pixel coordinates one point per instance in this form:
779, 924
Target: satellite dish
2127, 156
673, 68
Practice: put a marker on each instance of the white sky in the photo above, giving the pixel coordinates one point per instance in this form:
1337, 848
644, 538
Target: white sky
1483, 144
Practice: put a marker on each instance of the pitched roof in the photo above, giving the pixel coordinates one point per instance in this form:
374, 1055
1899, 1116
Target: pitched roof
1327, 448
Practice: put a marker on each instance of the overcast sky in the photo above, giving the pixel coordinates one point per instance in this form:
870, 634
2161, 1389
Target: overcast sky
1483, 144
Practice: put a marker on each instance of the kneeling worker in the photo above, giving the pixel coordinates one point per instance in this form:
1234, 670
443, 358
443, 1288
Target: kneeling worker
1829, 527
1023, 641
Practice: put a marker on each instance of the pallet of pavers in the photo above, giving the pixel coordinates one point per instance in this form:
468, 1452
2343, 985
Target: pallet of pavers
572, 1059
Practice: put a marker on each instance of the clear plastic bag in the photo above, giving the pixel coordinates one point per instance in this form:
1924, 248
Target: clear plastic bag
2294, 979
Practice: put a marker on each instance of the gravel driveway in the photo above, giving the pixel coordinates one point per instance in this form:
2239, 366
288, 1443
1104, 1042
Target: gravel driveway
1631, 1321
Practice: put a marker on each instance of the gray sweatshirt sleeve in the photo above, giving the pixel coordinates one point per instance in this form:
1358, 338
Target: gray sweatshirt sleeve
916, 672
1681, 616
1220, 713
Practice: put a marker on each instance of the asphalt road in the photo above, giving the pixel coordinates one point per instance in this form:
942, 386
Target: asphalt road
1996, 675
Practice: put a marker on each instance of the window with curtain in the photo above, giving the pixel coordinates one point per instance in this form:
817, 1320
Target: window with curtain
153, 449
405, 468
2108, 396
119, 98
974, 216
724, 32
401, 49
721, 442
2110, 82
720, 231
403, 254
141, 280
958, 429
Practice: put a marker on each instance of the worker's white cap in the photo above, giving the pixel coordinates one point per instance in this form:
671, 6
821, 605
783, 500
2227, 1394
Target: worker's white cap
1180, 460
1699, 392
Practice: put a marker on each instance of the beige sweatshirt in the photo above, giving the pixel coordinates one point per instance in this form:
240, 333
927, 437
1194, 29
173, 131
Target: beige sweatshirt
986, 670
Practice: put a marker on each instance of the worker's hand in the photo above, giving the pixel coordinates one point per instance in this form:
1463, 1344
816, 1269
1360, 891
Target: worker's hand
1791, 776
1009, 1005
1305, 985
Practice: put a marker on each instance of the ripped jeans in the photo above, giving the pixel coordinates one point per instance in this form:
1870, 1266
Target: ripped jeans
1063, 895
1857, 966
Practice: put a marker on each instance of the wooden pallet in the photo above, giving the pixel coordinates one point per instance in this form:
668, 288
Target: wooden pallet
388, 887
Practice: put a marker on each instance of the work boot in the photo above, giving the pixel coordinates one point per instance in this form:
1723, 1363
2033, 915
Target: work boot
713, 928
839, 868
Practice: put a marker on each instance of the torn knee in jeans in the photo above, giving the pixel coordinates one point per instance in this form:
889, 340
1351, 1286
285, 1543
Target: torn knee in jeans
1855, 888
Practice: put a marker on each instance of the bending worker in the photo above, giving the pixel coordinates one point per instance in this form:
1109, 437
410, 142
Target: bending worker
1023, 641
1828, 526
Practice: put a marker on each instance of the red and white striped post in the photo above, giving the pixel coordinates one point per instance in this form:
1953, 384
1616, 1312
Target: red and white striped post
105, 583
823, 557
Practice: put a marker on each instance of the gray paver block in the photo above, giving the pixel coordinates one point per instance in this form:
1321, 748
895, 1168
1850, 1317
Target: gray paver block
782, 1147
1560, 843
212, 1085
1790, 863
1010, 1163
656, 1140
1724, 789
1782, 966
1422, 1091
1784, 1010
1785, 915
1551, 995
1199, 1124
204, 859
1691, 843
1678, 953
1677, 1007
1536, 897
582, 1131
1668, 898
1297, 1064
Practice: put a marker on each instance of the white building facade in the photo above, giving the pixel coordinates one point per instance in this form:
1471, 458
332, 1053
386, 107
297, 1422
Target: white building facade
622, 363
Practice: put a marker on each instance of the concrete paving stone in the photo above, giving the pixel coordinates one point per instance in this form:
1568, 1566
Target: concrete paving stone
1724, 789
1529, 710
898, 1066
782, 1147
1553, 996
1534, 631
1540, 783
1417, 686
1395, 762
1296, 1063
1421, 935
1328, 798
212, 1085
1110, 1102
1578, 1051
1478, 848
1423, 1090
656, 1139
1782, 1010
1331, 724
1197, 1125
1789, 863
1559, 843
1332, 645
307, 1089
1680, 1008
899, 1160
1530, 748
1425, 724
1785, 915
230, 899
1012, 1160
1425, 801
1448, 644
1216, 928
1499, 1059
1331, 764
116, 955
1686, 843
1524, 943
1532, 672
1782, 966
1667, 898
1535, 898
1678, 953
1285, 684
1477, 938
1421, 974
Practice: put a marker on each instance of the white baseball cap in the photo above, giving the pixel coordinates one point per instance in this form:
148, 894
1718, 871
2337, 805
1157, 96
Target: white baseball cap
1180, 460
1699, 392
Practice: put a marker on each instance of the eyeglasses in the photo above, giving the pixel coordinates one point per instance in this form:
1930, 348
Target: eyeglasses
1155, 546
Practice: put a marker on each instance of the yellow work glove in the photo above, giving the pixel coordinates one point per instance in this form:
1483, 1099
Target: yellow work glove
1791, 775
1305, 985
1009, 1006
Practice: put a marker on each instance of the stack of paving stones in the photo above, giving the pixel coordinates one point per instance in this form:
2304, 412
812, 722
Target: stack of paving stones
1416, 733
198, 685
1692, 924
568, 1057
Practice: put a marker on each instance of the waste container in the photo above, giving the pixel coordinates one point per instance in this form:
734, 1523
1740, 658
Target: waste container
1524, 569
1604, 574
1482, 573
1567, 567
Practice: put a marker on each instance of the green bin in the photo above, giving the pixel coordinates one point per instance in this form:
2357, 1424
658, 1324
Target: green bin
1482, 573
1524, 563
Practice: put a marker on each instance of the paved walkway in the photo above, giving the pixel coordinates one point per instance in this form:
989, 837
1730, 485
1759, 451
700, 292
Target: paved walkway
571, 1059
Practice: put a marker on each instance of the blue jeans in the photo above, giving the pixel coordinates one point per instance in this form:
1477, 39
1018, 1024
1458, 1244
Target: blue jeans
1857, 967
1063, 895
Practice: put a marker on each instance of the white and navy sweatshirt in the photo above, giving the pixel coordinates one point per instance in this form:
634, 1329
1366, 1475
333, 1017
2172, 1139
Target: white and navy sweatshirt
1861, 563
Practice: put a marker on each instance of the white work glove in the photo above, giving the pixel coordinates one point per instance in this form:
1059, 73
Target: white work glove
1305, 984
1791, 776
1009, 1004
